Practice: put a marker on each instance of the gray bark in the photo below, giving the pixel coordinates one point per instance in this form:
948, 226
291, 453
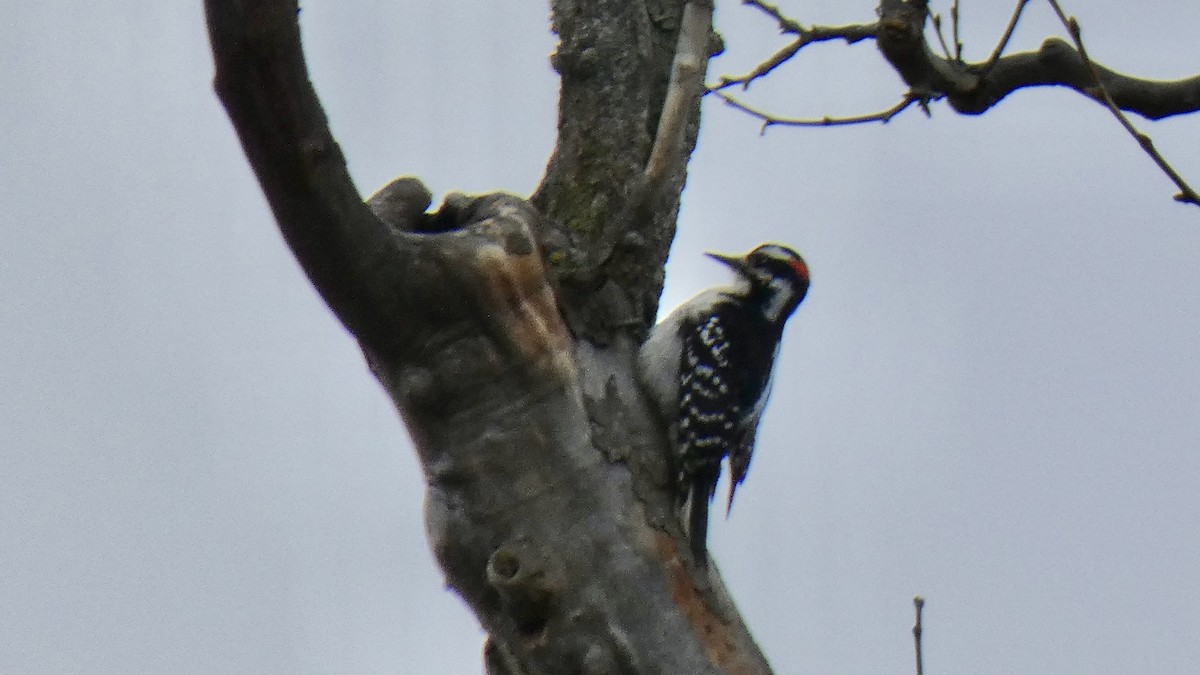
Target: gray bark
505, 331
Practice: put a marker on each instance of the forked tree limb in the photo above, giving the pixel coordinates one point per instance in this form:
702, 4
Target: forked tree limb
611, 230
974, 88
342, 247
547, 504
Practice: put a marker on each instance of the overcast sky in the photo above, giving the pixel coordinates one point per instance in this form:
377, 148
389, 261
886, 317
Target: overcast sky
990, 397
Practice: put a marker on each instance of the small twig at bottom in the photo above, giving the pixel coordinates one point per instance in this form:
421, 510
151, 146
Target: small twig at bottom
919, 604
769, 120
1186, 194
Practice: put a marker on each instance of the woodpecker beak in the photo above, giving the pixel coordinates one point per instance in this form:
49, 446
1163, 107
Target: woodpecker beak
737, 262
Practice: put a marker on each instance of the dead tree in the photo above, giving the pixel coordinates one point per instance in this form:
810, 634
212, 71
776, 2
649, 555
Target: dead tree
505, 329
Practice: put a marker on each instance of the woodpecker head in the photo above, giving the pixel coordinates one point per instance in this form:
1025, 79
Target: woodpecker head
772, 275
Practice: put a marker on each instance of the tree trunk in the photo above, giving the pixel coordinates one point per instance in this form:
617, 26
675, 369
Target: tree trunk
505, 332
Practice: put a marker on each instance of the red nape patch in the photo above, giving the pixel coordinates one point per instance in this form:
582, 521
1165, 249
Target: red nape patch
801, 269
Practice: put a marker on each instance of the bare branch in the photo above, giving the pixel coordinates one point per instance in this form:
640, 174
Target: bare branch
1008, 31
460, 324
919, 604
937, 28
769, 120
786, 24
1186, 194
958, 45
972, 88
851, 33
347, 253
686, 84
777, 59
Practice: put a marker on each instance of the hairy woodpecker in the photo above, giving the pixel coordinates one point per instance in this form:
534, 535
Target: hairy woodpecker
707, 367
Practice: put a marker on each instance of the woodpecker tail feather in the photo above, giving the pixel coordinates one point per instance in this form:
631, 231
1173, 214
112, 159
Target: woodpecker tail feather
698, 523
703, 484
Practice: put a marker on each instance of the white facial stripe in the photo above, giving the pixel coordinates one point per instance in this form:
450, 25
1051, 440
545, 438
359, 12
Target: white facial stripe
781, 294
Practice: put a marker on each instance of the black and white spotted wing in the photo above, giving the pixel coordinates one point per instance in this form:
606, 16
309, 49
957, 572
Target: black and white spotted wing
725, 366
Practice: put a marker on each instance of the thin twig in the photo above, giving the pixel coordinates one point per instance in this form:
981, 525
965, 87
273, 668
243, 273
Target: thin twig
1008, 32
958, 45
770, 120
850, 33
1186, 194
787, 25
919, 604
936, 19
777, 59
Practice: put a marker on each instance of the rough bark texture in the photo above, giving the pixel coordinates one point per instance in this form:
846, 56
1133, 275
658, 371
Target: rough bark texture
504, 330
614, 60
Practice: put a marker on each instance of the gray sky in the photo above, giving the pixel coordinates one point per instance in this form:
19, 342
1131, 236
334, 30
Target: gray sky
990, 396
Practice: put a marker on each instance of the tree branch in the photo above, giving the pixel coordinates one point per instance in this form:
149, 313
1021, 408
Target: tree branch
954, 20
937, 29
1008, 32
605, 242
263, 82
683, 91
548, 505
972, 88
1186, 194
769, 120
917, 632
851, 33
